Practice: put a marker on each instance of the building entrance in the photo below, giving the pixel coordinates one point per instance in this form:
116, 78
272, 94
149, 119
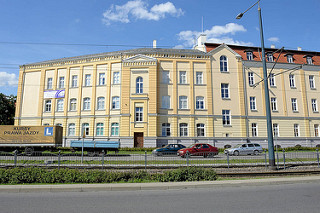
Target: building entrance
138, 139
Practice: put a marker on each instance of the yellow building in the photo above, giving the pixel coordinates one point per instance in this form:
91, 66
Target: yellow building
151, 96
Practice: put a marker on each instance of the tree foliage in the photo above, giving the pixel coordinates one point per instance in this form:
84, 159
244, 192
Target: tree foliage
7, 109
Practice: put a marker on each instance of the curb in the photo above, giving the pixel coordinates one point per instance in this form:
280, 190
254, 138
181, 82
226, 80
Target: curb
154, 186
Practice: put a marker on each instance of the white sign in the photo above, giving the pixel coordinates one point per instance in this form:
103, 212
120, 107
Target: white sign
53, 94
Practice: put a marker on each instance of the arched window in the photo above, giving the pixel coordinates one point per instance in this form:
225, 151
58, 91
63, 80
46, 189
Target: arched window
114, 129
200, 130
99, 129
199, 102
85, 129
183, 129
100, 105
86, 104
72, 129
223, 64
115, 102
73, 104
139, 85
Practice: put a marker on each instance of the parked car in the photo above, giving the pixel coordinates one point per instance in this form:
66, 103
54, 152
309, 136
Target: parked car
200, 149
170, 149
245, 149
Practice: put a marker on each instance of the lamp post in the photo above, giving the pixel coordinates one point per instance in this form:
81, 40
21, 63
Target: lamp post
266, 90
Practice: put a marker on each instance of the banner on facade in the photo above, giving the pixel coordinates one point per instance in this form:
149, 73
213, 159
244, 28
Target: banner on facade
53, 94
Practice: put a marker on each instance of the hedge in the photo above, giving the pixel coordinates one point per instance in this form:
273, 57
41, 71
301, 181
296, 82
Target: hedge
52, 176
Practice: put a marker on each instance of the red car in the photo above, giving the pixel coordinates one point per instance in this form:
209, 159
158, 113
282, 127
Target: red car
199, 149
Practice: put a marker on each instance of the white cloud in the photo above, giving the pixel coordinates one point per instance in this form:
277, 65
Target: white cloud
217, 34
274, 39
8, 79
137, 9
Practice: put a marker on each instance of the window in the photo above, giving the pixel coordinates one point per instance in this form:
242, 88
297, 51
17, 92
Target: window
275, 130
316, 130
60, 105
183, 102
199, 78
165, 129
139, 85
314, 105
224, 91
294, 104
183, 129
115, 129
74, 82
86, 104
223, 64
46, 124
200, 130
253, 103
226, 117
87, 81
139, 114
165, 77
199, 102
254, 129
72, 129
58, 124
102, 79
270, 57
116, 78
49, 83
309, 60
47, 106
99, 129
100, 105
166, 102
249, 56
274, 106
115, 102
296, 130
73, 104
183, 77
311, 82
272, 80
85, 129
292, 81
289, 58
251, 78
61, 82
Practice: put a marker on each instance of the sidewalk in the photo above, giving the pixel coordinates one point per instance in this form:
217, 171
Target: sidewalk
153, 186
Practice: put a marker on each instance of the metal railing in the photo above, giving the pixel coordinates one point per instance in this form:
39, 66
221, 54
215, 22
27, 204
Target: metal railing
57, 160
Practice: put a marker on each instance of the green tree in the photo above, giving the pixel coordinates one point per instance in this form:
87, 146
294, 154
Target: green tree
7, 109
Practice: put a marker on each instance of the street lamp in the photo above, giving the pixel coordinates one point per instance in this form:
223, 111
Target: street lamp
266, 90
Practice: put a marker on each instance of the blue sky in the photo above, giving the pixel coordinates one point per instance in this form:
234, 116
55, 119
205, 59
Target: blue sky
32, 29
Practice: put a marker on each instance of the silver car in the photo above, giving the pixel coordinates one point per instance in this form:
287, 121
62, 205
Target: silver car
245, 149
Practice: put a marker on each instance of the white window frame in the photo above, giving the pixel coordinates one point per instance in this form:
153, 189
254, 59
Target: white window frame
115, 102
139, 85
182, 77
87, 80
74, 81
61, 82
253, 105
312, 82
183, 129
49, 83
165, 130
290, 59
99, 129
139, 114
251, 78
86, 104
165, 77
270, 57
183, 102
309, 60
274, 105
254, 129
223, 63
200, 102
275, 128
294, 104
100, 103
314, 105
226, 117
60, 104
272, 80
115, 129
116, 77
47, 106
316, 130
201, 130
249, 55
296, 130
71, 129
225, 94
292, 81
85, 129
102, 79
199, 77
73, 104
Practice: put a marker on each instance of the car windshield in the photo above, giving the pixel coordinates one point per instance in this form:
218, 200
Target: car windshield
238, 145
191, 146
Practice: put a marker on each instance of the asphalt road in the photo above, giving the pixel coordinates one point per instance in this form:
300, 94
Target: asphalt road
293, 197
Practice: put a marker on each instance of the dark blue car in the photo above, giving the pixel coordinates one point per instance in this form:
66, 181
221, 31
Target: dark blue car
170, 149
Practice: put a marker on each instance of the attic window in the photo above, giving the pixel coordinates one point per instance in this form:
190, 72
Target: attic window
166, 55
270, 57
290, 58
309, 60
249, 56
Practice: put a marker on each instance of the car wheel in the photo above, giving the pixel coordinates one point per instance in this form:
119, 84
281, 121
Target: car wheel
236, 153
256, 152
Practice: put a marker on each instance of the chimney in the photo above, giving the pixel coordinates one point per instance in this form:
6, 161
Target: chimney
154, 43
273, 46
299, 48
200, 42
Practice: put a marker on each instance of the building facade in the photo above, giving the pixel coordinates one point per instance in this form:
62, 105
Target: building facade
152, 96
